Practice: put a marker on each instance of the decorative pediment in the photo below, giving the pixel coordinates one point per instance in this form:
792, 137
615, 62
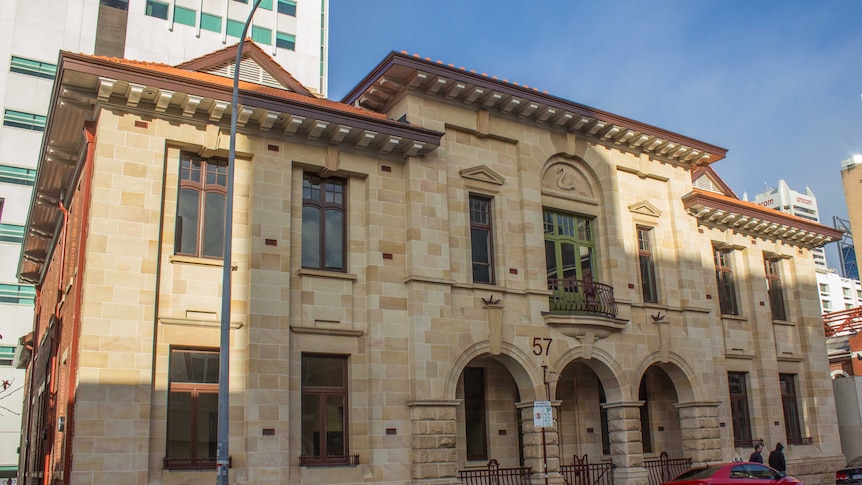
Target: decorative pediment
568, 180
482, 173
644, 208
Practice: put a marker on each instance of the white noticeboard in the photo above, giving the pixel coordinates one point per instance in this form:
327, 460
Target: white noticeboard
543, 416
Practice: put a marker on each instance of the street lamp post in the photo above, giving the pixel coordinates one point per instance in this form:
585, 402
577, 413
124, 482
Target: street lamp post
223, 456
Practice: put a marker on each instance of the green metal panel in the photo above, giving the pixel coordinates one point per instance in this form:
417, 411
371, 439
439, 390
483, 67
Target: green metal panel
12, 233
31, 67
185, 16
234, 28
17, 175
20, 119
210, 22
261, 35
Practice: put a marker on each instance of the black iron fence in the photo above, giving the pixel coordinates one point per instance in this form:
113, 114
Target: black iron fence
582, 472
492, 474
569, 295
665, 468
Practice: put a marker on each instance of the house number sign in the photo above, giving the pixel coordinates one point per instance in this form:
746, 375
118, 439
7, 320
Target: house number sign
541, 346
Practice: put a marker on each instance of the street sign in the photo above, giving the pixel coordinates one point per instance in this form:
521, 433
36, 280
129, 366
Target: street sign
543, 415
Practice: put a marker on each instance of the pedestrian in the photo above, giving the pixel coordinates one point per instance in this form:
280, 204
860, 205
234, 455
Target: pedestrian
776, 458
756, 457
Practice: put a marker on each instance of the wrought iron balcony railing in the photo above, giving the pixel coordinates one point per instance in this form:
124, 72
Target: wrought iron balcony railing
571, 296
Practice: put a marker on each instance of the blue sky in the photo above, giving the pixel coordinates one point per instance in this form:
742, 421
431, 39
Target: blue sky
776, 82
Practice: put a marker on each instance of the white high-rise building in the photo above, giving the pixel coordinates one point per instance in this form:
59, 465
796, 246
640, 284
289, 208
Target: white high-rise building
33, 32
800, 204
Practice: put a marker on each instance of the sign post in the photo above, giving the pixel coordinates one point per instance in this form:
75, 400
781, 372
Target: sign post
543, 417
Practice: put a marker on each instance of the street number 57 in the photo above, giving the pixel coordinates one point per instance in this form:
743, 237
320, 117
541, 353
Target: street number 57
541, 346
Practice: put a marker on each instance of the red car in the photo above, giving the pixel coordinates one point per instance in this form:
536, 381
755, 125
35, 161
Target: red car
736, 473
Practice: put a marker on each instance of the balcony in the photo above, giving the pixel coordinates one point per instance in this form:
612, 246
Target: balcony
582, 309
571, 297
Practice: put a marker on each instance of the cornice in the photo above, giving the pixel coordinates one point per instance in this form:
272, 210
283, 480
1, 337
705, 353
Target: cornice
400, 73
722, 212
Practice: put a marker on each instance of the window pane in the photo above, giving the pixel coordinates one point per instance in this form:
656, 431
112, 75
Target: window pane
214, 225
266, 4
234, 28
334, 240
570, 266
187, 221
551, 258
207, 424
194, 366
261, 35
157, 9
335, 425
210, 22
287, 7
322, 371
179, 425
185, 16
310, 237
285, 41
311, 425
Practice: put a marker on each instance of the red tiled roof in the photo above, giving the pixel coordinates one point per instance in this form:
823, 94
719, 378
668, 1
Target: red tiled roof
244, 86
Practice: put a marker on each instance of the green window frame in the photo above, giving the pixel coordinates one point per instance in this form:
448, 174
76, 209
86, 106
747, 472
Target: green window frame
210, 22
287, 7
185, 16
234, 28
27, 121
157, 9
569, 246
11, 233
285, 41
261, 35
32, 67
17, 175
17, 294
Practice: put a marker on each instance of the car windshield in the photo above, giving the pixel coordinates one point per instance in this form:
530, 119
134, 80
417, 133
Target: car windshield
697, 473
856, 461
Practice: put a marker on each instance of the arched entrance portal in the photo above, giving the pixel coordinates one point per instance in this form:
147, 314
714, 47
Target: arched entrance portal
660, 420
488, 422
583, 421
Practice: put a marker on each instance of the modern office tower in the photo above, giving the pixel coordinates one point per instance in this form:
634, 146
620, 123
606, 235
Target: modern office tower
33, 32
799, 204
838, 293
851, 179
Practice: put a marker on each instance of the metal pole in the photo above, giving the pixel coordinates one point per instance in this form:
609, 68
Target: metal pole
223, 455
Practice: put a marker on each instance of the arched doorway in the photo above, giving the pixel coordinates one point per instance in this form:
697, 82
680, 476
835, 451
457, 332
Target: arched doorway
660, 420
487, 419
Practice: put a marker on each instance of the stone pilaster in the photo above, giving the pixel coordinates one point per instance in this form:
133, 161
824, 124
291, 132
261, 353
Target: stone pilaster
432, 455
701, 439
624, 427
539, 449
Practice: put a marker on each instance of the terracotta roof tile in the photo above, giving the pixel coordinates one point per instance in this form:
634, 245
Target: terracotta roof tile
243, 86
474, 72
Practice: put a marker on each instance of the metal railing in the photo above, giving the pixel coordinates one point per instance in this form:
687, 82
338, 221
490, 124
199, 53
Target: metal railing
665, 468
492, 474
581, 296
582, 472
